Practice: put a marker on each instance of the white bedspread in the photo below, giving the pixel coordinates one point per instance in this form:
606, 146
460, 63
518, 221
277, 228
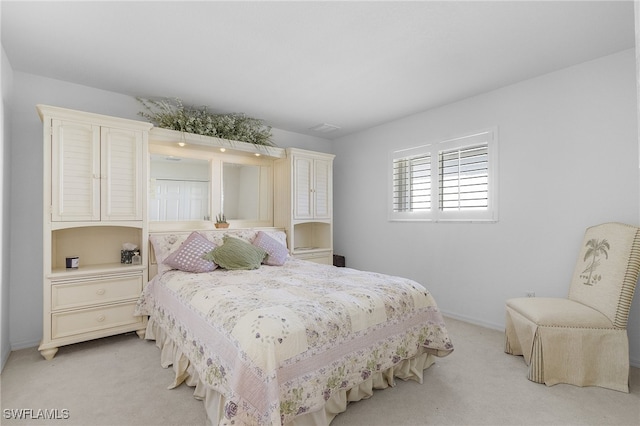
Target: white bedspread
277, 341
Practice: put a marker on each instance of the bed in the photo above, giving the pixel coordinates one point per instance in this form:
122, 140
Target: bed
284, 341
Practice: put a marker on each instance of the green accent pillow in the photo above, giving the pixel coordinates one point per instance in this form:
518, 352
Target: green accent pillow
235, 253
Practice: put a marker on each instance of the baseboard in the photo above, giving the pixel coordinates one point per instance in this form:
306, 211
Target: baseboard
16, 346
475, 321
4, 358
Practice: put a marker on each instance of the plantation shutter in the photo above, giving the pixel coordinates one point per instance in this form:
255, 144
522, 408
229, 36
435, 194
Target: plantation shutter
464, 178
452, 180
412, 184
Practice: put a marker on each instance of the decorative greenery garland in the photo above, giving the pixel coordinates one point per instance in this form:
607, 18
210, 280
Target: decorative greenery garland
172, 114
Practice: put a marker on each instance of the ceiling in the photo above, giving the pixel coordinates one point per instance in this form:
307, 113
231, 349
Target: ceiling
297, 64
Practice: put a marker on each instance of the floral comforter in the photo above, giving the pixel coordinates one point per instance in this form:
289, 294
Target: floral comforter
277, 341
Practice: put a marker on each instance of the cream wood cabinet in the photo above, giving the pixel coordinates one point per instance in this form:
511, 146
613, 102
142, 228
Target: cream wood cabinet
303, 203
85, 306
94, 202
96, 172
311, 186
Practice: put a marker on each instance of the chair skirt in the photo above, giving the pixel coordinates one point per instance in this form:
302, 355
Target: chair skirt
569, 354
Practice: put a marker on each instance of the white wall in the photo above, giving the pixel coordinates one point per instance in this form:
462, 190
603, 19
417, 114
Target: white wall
286, 139
5, 131
568, 160
25, 316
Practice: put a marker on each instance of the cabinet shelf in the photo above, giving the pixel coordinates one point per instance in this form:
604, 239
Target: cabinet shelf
96, 246
305, 250
83, 271
311, 236
169, 137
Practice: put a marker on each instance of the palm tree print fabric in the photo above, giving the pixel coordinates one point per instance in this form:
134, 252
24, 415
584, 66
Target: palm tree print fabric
596, 249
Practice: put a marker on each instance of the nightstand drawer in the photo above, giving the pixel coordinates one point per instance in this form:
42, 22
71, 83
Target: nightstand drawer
64, 324
93, 292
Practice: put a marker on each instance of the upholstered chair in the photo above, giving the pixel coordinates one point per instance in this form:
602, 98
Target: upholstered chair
582, 340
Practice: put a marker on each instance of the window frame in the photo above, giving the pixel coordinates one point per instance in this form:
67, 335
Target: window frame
435, 213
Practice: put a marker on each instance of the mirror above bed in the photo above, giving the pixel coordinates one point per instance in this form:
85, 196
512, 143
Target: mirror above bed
189, 186
247, 192
241, 191
179, 189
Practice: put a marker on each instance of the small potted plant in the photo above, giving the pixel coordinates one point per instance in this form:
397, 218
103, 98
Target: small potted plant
221, 221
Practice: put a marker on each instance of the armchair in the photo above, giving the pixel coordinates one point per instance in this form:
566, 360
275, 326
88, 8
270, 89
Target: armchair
582, 340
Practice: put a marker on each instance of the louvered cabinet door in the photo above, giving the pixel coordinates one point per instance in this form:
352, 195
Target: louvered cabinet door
322, 171
75, 171
121, 174
303, 187
312, 188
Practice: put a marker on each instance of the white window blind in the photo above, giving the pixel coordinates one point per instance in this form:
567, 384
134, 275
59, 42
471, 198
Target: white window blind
454, 179
464, 178
412, 184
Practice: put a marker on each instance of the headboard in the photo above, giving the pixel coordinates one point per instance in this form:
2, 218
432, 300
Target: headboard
182, 234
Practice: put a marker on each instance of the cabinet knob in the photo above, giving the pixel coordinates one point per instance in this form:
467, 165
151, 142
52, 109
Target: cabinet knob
100, 291
100, 318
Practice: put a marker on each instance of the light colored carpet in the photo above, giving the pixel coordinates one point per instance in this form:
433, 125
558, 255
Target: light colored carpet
119, 381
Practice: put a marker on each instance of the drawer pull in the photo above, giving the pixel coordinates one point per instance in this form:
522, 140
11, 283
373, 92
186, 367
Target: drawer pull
100, 291
101, 318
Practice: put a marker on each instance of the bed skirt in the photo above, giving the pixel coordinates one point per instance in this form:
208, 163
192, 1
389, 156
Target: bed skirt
171, 355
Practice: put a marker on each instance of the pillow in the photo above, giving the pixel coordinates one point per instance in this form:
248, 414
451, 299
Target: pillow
279, 236
244, 234
163, 246
235, 253
188, 257
277, 254
214, 236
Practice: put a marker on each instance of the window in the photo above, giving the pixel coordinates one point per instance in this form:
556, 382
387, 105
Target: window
412, 183
455, 179
464, 178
